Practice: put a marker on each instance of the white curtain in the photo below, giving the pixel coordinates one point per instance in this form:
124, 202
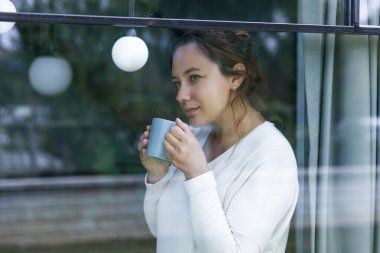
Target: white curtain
338, 133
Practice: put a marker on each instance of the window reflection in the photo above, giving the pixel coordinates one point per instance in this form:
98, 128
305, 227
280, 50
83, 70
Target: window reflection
101, 97
69, 169
98, 96
369, 13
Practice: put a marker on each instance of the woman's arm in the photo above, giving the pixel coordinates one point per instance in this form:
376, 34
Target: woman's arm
259, 212
152, 196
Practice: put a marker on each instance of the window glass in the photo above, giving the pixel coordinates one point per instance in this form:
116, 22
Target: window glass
70, 120
92, 125
69, 166
277, 11
264, 11
53, 143
369, 13
338, 83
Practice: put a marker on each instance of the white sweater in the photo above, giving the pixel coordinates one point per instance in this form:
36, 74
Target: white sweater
244, 204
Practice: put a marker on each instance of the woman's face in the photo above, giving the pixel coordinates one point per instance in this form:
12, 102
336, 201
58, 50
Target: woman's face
202, 91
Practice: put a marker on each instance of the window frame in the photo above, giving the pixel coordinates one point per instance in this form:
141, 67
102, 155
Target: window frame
351, 26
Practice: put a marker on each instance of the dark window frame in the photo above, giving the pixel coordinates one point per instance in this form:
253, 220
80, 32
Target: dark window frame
351, 25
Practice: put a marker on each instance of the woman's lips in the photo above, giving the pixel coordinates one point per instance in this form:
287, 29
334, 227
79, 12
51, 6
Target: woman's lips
191, 110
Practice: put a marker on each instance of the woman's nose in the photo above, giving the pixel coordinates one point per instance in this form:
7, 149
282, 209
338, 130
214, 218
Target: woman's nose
183, 93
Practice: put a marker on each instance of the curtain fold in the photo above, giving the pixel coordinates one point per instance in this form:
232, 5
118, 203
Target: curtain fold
338, 78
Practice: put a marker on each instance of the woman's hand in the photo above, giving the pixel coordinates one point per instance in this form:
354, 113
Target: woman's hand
184, 150
156, 169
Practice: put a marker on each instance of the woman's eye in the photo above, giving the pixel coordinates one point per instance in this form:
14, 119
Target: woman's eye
194, 77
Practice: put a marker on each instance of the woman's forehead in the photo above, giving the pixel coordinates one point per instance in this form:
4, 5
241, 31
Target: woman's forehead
189, 57
191, 47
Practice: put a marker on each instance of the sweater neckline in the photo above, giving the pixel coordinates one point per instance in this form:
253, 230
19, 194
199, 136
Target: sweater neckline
229, 151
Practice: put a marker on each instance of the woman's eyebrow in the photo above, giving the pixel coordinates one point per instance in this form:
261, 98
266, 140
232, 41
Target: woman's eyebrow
191, 70
188, 71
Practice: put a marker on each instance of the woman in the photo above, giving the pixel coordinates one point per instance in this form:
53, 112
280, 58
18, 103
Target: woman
232, 185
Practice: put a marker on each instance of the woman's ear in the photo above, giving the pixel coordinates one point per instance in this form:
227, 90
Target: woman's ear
237, 80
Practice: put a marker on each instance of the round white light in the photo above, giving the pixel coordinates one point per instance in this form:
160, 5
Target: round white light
50, 75
6, 6
130, 53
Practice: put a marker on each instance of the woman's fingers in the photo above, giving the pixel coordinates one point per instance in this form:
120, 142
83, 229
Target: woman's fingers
177, 133
176, 144
143, 142
141, 146
168, 147
179, 136
173, 136
182, 125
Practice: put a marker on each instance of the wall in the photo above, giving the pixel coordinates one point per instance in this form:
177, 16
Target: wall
71, 209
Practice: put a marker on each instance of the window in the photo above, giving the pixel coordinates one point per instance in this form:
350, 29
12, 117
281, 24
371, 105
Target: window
59, 148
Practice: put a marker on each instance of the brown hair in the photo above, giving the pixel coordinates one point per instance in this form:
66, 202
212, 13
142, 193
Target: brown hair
227, 48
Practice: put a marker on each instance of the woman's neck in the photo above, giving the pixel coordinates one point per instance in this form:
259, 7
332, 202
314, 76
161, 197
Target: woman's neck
225, 135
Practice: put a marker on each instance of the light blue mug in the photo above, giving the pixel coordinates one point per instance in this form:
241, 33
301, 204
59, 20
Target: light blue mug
158, 130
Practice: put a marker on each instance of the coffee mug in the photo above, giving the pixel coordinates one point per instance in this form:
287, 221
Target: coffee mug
158, 130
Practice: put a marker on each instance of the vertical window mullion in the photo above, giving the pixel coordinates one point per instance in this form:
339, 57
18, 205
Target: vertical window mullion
351, 12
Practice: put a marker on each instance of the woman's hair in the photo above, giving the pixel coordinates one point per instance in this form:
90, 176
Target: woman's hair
227, 48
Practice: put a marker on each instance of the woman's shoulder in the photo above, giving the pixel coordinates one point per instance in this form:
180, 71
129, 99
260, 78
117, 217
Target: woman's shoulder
268, 133
269, 141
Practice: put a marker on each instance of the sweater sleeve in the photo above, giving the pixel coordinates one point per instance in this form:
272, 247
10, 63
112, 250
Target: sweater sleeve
152, 196
210, 226
260, 209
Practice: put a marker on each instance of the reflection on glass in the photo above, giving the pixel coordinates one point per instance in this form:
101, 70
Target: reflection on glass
106, 99
90, 130
91, 126
50, 75
369, 13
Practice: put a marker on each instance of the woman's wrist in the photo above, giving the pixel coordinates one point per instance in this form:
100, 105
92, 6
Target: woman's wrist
195, 173
154, 177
